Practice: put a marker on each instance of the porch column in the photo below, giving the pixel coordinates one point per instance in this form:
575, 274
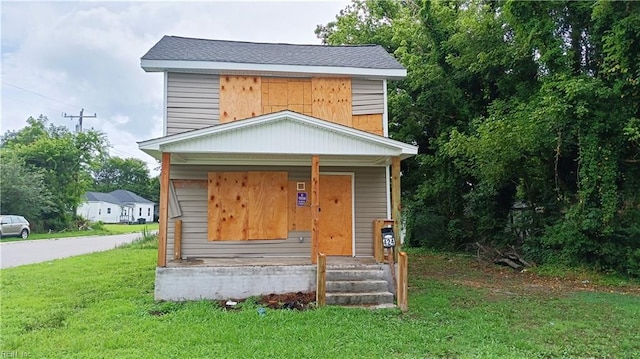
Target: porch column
395, 199
164, 209
315, 207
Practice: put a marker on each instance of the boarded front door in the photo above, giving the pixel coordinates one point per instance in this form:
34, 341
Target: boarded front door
336, 215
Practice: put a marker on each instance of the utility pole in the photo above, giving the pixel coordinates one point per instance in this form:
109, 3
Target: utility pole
79, 125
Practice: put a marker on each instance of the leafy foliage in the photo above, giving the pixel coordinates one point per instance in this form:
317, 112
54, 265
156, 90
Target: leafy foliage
63, 159
526, 115
22, 189
125, 173
46, 171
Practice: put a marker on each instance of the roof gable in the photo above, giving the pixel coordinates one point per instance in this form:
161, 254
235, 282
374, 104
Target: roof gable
191, 54
277, 134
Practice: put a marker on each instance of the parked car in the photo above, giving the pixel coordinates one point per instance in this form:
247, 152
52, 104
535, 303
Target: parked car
11, 225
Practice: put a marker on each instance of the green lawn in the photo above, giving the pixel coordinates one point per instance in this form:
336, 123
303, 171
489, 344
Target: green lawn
99, 305
109, 229
130, 228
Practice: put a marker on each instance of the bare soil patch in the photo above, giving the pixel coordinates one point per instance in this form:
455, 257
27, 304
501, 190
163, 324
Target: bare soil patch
467, 271
290, 301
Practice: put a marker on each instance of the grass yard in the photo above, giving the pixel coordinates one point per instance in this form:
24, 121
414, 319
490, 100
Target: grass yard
130, 228
100, 305
109, 229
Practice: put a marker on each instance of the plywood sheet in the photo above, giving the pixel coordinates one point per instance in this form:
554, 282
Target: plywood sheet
370, 123
295, 93
307, 110
278, 93
299, 216
227, 206
307, 98
336, 215
267, 198
286, 94
331, 99
240, 97
296, 108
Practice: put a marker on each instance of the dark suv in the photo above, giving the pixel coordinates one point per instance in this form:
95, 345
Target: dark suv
14, 226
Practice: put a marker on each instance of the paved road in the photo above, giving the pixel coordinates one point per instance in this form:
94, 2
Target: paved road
19, 253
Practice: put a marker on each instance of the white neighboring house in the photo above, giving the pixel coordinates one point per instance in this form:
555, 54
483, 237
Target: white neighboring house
119, 206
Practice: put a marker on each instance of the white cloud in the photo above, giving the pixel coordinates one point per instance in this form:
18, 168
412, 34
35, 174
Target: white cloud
60, 57
119, 119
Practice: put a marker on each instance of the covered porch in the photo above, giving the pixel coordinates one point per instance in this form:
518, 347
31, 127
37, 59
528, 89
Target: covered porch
334, 181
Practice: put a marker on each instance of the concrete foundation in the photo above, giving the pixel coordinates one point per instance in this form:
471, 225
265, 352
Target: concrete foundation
238, 282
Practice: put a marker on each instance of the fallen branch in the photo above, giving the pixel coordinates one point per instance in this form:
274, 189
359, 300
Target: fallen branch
507, 262
489, 254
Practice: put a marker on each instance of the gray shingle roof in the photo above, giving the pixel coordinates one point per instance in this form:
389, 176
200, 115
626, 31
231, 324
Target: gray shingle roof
101, 197
190, 49
128, 196
118, 196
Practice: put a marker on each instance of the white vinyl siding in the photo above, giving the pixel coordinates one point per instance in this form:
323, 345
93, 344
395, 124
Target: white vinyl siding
193, 101
370, 204
367, 96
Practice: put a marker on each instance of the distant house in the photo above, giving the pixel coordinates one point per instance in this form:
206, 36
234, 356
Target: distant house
119, 206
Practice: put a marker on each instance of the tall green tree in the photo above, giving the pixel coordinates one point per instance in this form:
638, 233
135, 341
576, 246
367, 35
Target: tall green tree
63, 158
123, 173
22, 189
533, 104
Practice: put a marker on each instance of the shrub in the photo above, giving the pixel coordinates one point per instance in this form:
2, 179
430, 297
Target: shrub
99, 226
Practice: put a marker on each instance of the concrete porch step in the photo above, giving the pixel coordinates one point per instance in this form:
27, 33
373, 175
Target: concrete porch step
359, 298
342, 274
359, 285
356, 286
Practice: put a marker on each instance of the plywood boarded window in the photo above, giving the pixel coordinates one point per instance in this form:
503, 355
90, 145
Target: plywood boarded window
227, 207
240, 97
331, 99
369, 123
286, 94
267, 205
247, 205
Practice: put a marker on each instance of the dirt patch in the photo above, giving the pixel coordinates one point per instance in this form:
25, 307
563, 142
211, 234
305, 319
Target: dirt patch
290, 301
504, 281
297, 301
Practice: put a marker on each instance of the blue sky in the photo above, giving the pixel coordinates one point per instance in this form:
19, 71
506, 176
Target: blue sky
59, 57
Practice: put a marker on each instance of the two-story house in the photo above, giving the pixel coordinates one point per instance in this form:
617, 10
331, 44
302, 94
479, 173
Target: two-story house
271, 154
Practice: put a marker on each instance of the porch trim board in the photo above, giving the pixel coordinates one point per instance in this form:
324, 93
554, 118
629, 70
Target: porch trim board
164, 209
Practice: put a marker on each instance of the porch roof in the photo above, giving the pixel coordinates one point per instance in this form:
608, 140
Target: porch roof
284, 137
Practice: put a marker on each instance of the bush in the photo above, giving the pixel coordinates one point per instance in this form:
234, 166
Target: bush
99, 226
571, 243
427, 229
146, 240
633, 263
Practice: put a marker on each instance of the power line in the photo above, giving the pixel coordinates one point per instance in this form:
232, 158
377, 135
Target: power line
32, 92
19, 98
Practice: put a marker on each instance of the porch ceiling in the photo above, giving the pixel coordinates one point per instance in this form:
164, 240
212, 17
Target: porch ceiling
281, 138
